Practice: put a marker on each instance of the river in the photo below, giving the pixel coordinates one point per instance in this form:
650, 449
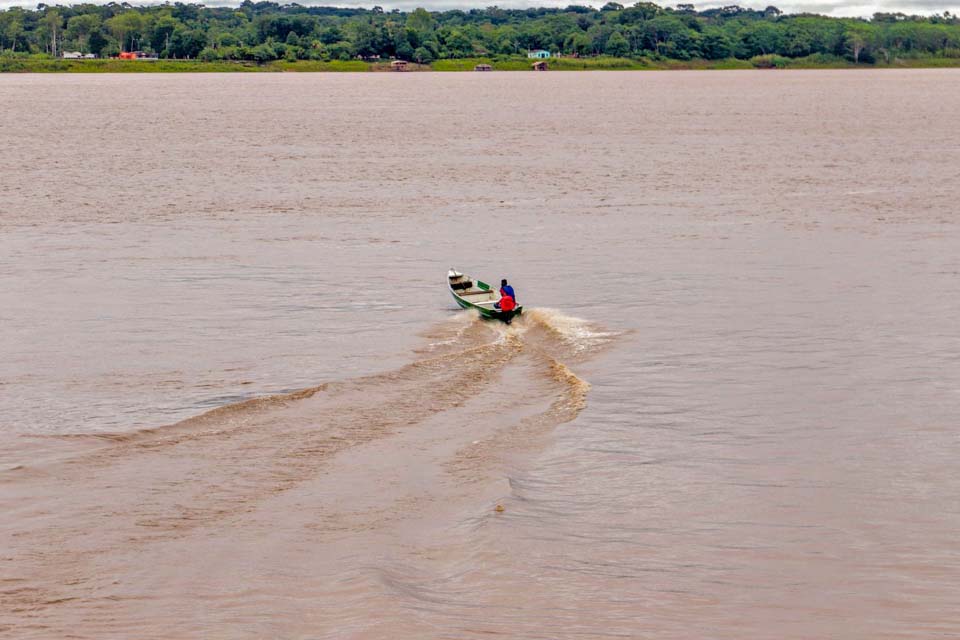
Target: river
237, 401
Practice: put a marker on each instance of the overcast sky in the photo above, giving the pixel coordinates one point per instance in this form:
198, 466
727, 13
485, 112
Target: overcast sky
826, 7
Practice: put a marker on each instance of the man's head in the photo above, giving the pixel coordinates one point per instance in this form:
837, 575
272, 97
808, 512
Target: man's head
503, 282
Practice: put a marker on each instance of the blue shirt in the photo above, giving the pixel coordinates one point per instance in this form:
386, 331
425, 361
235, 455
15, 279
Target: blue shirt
507, 290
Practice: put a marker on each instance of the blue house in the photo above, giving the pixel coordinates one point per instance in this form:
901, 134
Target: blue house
540, 54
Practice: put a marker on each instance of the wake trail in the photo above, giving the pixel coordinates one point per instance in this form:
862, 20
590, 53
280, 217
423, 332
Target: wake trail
134, 490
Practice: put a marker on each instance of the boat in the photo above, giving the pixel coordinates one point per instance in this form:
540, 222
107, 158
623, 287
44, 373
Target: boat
476, 294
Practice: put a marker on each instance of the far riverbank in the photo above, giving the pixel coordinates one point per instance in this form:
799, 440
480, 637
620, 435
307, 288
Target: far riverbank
600, 63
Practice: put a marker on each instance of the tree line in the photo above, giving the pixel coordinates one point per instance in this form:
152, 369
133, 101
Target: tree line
264, 31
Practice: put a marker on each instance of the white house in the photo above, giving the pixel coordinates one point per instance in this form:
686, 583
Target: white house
540, 54
72, 55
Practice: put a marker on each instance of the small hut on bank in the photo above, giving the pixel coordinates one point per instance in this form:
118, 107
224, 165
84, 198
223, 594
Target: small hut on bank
398, 65
540, 65
483, 67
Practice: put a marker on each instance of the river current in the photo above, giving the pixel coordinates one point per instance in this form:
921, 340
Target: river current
237, 401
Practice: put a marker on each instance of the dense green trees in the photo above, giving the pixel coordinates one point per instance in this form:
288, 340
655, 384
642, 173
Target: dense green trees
616, 45
80, 29
265, 31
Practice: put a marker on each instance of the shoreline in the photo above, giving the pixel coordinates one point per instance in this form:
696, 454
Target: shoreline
46, 65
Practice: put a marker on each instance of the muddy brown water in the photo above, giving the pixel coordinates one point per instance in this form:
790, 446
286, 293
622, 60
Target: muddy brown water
237, 402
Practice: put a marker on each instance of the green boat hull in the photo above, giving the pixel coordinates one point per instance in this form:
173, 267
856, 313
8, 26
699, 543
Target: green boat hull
489, 314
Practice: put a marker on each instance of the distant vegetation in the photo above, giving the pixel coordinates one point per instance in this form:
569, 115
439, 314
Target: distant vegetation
644, 35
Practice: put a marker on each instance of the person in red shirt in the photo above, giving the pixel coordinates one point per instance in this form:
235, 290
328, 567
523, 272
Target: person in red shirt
506, 304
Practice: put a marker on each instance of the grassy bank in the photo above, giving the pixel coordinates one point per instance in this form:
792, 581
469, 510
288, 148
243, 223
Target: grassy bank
600, 63
607, 63
35, 65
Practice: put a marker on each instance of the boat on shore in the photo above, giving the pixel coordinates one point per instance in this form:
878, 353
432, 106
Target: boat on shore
476, 294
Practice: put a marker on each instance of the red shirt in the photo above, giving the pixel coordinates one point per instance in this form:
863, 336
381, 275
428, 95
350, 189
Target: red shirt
507, 303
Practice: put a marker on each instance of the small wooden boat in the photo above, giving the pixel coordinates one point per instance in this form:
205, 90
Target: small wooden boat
474, 294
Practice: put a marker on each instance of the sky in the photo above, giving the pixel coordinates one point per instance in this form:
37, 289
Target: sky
825, 7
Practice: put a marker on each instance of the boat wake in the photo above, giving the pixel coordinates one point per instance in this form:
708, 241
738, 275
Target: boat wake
350, 456
463, 354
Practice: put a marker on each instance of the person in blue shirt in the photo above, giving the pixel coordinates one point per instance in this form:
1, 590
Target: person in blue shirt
507, 290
